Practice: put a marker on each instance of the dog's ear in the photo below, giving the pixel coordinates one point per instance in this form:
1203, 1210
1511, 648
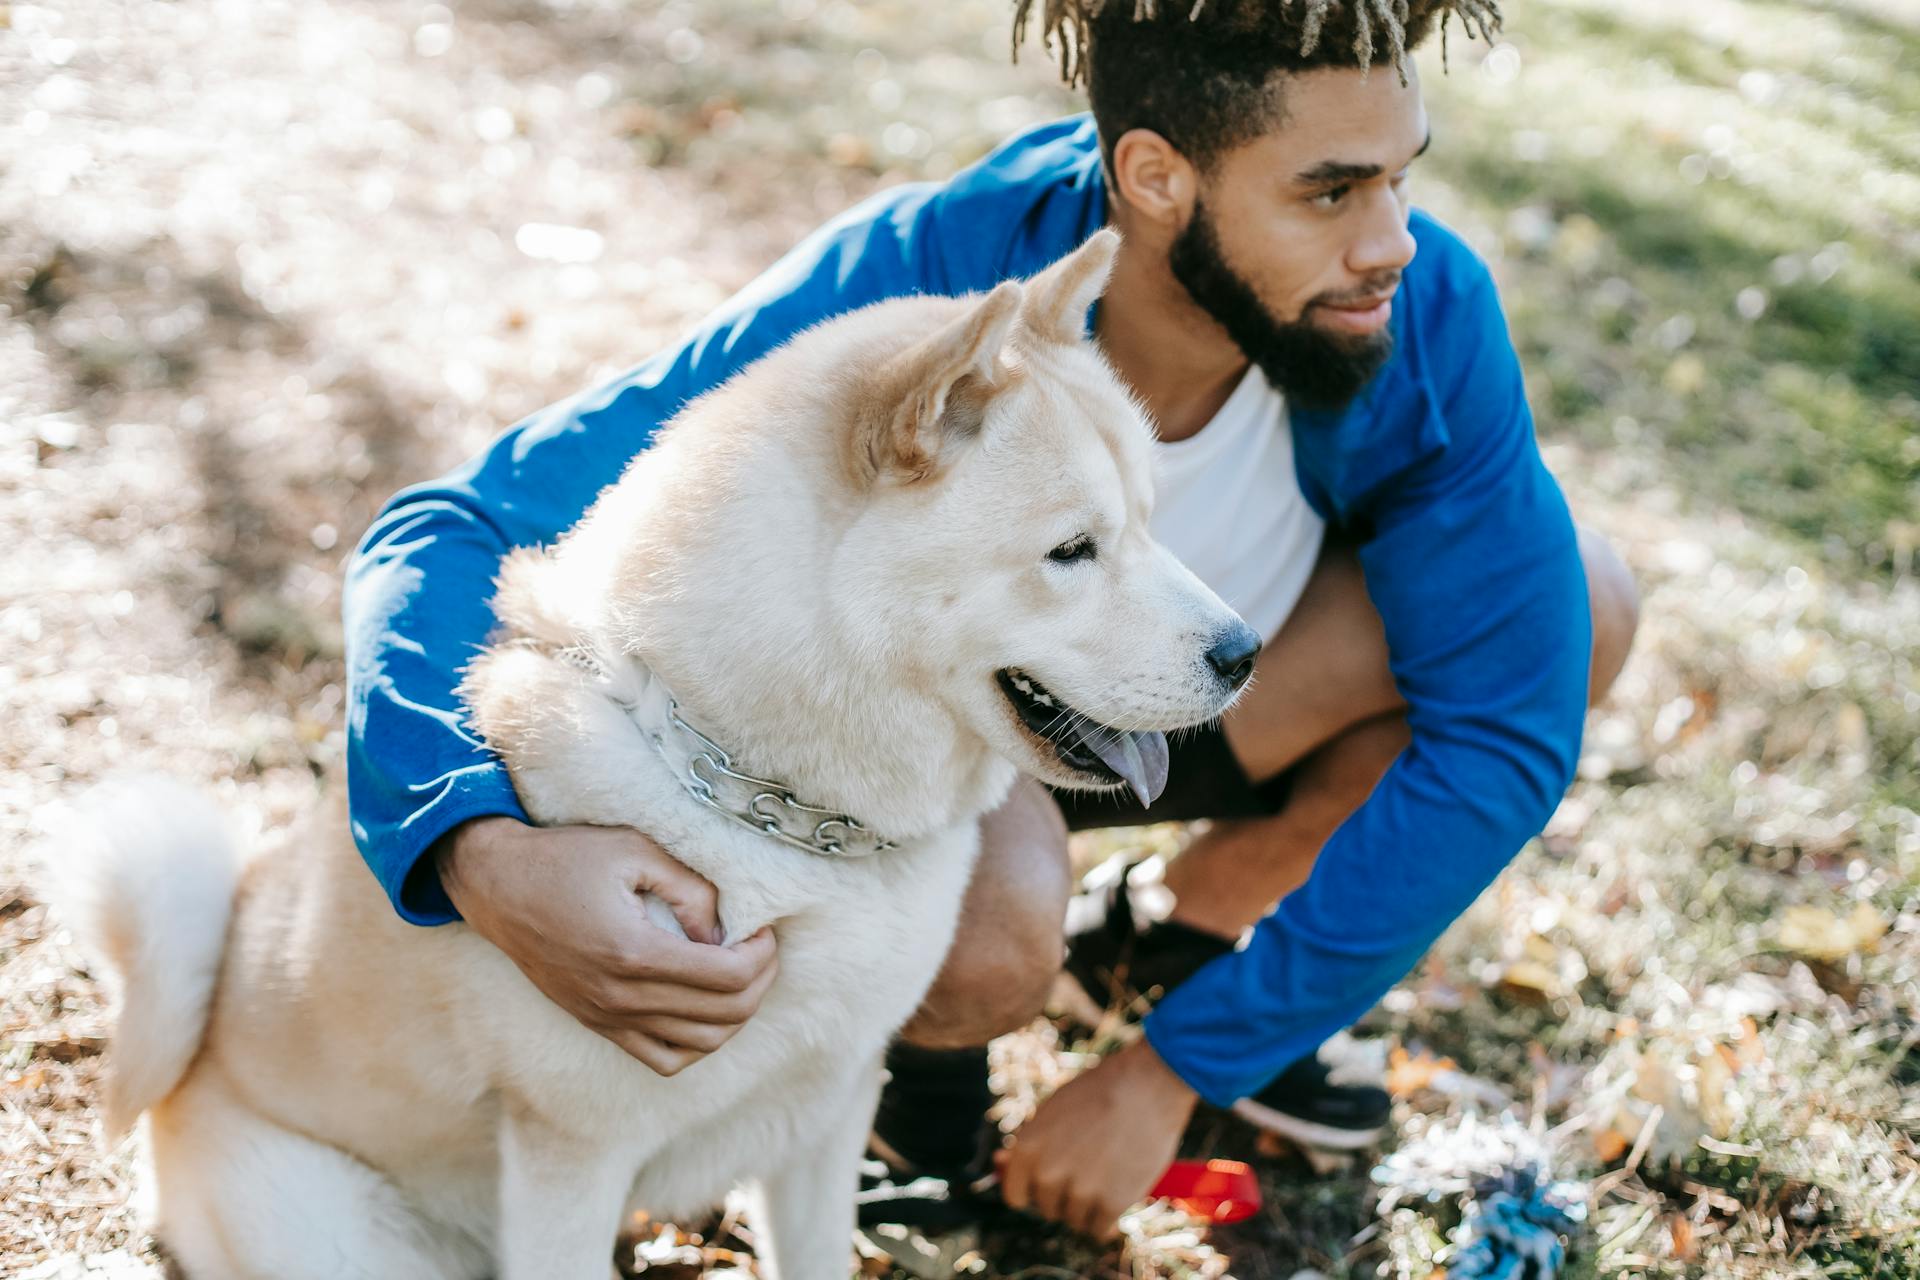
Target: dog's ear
936, 390
1058, 298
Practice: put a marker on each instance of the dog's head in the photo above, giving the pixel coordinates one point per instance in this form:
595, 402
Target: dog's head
999, 546
905, 553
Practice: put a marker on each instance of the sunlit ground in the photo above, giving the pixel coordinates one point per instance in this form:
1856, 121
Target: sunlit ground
260, 264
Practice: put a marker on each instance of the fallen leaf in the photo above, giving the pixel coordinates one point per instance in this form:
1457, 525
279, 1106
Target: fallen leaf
1711, 1080
1751, 1051
1819, 934
1680, 1234
1409, 1073
1531, 981
28, 1081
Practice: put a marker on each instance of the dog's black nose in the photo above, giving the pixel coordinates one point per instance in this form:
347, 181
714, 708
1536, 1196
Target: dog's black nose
1233, 652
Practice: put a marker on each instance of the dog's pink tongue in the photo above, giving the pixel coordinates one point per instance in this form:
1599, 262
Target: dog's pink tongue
1140, 757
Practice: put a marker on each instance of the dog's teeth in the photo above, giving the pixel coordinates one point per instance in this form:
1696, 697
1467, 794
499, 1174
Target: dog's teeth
1043, 699
1022, 685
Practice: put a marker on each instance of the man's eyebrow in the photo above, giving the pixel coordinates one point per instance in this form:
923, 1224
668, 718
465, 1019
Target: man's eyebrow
1328, 172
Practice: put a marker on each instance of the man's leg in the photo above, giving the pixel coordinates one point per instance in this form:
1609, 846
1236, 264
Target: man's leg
996, 979
1322, 700
1008, 946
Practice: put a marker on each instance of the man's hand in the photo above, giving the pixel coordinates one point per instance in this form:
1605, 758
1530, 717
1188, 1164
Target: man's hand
565, 905
1095, 1148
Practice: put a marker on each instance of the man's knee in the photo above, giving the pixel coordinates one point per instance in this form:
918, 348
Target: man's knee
1009, 942
1615, 602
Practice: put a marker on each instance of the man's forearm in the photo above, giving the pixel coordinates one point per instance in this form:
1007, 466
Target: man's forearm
457, 857
416, 607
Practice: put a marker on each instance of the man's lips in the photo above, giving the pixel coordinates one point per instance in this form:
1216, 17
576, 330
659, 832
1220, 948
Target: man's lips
1359, 315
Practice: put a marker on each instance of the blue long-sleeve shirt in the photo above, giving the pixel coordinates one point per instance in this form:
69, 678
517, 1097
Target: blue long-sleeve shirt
1465, 540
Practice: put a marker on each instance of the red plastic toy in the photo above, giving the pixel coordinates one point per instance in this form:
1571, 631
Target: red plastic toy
1217, 1191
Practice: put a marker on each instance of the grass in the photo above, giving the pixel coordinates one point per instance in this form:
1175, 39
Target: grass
1707, 214
1704, 979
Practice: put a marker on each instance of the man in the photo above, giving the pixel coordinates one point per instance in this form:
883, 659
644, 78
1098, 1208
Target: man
1350, 463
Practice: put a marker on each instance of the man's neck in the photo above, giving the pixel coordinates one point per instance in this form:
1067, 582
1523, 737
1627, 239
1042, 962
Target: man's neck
1174, 355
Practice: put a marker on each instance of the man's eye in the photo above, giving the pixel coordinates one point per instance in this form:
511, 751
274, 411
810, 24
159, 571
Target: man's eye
1080, 548
1328, 199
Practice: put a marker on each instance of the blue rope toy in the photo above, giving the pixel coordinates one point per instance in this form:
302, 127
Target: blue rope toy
1515, 1226
1516, 1217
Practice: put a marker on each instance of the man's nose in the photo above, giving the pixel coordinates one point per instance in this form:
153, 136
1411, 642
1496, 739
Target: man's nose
1231, 656
1386, 243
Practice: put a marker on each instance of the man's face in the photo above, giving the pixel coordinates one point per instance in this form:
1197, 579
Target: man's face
1298, 238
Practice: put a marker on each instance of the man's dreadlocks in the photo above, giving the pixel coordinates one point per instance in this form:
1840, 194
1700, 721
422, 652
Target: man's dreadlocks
1200, 72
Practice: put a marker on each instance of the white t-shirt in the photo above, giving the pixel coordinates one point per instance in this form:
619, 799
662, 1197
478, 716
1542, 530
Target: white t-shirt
1228, 503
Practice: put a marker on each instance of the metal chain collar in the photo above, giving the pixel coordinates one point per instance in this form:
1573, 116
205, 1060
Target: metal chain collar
707, 771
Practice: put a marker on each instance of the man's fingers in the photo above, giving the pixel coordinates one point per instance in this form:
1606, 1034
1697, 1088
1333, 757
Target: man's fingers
733, 1007
694, 901
1077, 1212
684, 1033
626, 1003
1016, 1184
621, 1001
1099, 1220
1052, 1197
664, 958
663, 1059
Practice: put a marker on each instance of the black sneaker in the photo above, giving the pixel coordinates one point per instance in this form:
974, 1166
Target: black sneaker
1118, 961
1304, 1106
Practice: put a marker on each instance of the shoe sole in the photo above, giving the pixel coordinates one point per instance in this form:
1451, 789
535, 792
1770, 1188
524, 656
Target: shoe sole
1324, 1136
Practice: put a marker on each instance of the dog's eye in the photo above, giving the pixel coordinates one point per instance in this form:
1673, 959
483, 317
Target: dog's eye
1080, 548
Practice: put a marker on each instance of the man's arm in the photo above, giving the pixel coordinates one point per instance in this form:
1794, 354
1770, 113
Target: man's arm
419, 587
1475, 571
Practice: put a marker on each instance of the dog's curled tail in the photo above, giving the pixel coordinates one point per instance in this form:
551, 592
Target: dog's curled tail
143, 870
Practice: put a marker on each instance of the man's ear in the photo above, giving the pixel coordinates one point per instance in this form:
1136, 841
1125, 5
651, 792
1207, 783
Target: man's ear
1154, 179
1057, 299
936, 390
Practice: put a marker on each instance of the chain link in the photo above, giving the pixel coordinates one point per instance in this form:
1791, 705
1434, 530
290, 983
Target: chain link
770, 799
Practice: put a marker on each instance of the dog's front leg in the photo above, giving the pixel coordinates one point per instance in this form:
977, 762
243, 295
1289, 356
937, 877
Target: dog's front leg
804, 1210
561, 1197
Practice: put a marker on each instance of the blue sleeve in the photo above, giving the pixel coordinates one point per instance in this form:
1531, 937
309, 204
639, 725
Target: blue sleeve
418, 588
1473, 566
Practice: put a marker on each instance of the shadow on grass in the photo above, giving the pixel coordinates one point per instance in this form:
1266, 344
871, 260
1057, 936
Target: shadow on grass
1802, 419
1705, 240
258, 506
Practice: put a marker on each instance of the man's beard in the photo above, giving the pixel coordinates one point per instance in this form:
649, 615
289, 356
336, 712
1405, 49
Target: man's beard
1308, 365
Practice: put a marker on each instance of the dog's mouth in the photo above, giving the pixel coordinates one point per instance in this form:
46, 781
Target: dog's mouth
1137, 757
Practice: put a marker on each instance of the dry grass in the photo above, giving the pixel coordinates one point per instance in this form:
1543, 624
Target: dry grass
260, 264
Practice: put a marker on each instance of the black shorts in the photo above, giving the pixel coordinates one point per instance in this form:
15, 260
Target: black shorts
1203, 781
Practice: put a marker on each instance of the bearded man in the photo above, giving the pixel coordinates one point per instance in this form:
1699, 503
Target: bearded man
1348, 460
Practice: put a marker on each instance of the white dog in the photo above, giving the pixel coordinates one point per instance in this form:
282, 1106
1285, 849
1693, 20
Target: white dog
878, 571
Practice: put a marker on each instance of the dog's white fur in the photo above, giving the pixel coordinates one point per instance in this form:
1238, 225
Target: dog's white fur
826, 559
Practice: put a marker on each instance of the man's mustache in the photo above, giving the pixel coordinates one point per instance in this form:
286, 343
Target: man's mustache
1368, 292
